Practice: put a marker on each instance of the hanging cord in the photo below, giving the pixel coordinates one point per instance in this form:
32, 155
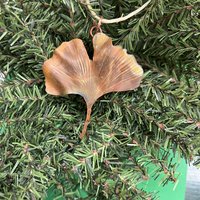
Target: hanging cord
116, 20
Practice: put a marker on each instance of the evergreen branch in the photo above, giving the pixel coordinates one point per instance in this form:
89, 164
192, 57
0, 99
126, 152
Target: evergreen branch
129, 131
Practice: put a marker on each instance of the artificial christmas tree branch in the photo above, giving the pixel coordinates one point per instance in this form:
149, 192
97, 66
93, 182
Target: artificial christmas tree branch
39, 145
116, 20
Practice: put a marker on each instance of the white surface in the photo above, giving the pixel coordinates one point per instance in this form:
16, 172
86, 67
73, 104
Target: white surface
193, 184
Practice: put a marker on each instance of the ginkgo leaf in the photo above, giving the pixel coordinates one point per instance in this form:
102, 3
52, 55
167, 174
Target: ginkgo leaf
70, 71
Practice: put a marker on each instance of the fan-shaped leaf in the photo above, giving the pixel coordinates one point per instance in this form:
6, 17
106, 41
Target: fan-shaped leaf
70, 71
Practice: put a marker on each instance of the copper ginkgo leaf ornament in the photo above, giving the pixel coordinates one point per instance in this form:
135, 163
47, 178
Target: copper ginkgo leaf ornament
70, 71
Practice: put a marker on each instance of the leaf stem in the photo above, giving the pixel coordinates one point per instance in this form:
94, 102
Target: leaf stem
87, 121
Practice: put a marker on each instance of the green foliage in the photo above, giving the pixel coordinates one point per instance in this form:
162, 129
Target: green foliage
39, 145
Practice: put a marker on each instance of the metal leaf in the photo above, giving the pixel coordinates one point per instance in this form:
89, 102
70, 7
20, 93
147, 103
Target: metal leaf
70, 71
